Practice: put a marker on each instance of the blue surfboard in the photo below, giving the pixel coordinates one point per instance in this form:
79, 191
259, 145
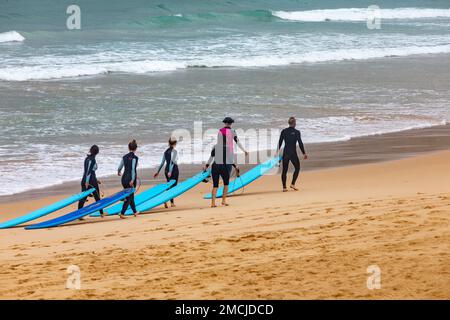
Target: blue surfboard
45, 211
140, 198
173, 192
248, 177
83, 211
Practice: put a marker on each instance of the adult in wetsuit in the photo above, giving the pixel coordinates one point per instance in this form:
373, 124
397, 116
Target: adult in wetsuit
170, 158
129, 163
225, 150
291, 136
89, 179
218, 170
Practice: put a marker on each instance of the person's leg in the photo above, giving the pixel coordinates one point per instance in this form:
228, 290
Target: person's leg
215, 176
126, 203
213, 197
226, 181
166, 174
296, 162
284, 171
133, 204
82, 201
174, 176
96, 194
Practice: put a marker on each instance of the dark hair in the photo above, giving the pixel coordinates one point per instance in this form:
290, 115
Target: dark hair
172, 141
132, 145
94, 150
291, 121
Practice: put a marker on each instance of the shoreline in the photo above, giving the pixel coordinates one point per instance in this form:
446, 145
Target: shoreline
324, 155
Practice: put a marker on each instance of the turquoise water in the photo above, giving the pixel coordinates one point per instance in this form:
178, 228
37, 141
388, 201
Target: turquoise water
144, 68
155, 36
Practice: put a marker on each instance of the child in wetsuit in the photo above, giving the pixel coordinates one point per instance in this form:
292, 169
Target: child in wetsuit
129, 163
89, 179
170, 158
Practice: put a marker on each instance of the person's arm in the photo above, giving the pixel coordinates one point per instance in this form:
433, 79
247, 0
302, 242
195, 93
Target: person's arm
161, 164
300, 142
173, 159
119, 169
280, 141
211, 158
88, 173
239, 144
133, 169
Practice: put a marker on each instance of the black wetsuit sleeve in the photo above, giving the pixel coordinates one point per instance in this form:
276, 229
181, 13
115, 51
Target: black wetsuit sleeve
211, 158
280, 142
300, 142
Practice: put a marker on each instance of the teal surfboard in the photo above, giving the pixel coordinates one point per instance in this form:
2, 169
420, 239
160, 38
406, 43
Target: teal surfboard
172, 193
248, 177
140, 198
45, 211
105, 202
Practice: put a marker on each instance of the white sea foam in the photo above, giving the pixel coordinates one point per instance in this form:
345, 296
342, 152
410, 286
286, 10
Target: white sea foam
47, 72
361, 14
34, 173
11, 36
52, 70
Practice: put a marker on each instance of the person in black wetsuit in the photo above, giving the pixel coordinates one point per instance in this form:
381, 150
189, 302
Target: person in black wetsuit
89, 179
291, 136
129, 163
219, 170
170, 157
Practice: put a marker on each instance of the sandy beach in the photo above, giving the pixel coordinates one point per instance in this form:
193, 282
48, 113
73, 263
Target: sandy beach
87, 87
316, 243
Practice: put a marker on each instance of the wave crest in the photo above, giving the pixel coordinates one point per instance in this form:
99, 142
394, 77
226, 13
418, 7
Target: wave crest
361, 14
46, 72
11, 36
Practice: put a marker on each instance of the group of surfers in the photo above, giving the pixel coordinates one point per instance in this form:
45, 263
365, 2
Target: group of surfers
222, 162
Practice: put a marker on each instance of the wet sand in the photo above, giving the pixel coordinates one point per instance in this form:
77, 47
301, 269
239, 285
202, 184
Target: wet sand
360, 150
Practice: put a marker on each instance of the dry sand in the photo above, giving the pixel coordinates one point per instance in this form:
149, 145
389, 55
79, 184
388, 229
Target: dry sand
315, 243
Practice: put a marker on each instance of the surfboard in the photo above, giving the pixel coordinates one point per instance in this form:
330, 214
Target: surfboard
83, 211
46, 210
173, 192
140, 198
247, 177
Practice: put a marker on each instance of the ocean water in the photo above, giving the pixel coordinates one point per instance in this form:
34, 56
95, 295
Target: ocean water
141, 69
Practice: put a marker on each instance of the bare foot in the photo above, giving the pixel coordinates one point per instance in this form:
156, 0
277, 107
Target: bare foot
102, 215
293, 187
172, 205
136, 214
285, 190
225, 204
122, 216
165, 205
213, 206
